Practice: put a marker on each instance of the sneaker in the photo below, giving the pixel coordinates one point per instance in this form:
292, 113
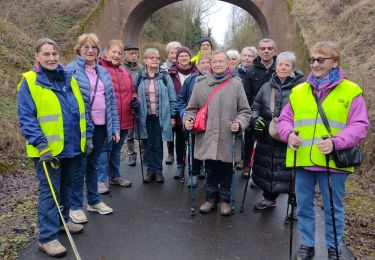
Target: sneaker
194, 180
264, 204
170, 159
225, 209
101, 208
102, 188
52, 248
159, 178
305, 253
245, 171
120, 181
180, 172
72, 227
239, 165
207, 207
132, 159
150, 176
78, 216
332, 254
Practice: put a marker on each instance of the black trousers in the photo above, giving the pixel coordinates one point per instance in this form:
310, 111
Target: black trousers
180, 144
197, 164
219, 181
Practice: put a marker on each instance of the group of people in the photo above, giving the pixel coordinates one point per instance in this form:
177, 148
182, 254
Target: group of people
76, 120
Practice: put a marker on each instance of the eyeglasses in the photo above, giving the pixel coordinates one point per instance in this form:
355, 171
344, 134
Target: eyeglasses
154, 58
88, 47
320, 60
266, 48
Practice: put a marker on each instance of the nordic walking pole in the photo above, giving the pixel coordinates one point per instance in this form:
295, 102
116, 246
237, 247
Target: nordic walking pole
234, 171
331, 201
139, 143
292, 199
192, 195
76, 253
250, 174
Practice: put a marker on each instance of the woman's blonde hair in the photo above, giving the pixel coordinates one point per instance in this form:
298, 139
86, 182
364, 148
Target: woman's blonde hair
148, 52
114, 43
87, 37
329, 48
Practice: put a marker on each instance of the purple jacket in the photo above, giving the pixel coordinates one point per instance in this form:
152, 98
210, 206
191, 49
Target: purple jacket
356, 125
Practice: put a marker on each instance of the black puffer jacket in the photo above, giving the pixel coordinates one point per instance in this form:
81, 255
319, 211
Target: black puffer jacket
269, 171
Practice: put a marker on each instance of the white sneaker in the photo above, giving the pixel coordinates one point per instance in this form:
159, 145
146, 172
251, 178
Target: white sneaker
101, 208
78, 216
102, 188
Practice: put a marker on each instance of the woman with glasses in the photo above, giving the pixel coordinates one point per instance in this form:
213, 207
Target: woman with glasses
53, 119
157, 112
97, 91
345, 110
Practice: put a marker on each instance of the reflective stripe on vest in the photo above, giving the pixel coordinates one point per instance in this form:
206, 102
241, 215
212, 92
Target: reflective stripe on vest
310, 125
49, 115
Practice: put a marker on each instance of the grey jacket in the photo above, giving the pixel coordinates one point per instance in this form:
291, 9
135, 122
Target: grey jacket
228, 105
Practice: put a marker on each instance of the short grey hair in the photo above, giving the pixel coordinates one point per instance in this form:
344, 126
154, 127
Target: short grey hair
252, 49
287, 55
234, 53
268, 40
172, 45
43, 41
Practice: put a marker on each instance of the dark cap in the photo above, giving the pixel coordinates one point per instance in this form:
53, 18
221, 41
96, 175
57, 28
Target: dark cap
181, 50
130, 46
204, 39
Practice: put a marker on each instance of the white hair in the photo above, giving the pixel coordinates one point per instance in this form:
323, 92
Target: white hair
172, 45
233, 53
287, 55
252, 49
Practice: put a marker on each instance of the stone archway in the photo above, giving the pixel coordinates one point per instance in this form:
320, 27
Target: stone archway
124, 19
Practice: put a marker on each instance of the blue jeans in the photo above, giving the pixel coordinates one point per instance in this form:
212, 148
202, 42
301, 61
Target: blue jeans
305, 192
154, 145
48, 215
114, 159
219, 181
88, 171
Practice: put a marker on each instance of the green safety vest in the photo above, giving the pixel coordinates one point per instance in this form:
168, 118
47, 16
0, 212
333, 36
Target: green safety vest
49, 115
311, 128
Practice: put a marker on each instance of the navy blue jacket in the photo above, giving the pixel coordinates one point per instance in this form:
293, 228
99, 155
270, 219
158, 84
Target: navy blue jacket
185, 92
27, 113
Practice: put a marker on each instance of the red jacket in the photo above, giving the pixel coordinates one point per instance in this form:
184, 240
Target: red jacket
123, 87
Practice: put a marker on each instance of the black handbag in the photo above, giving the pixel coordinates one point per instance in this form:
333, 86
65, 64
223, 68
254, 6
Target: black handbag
343, 158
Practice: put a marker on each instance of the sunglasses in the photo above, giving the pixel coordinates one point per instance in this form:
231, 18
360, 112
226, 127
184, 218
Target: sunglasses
320, 60
266, 48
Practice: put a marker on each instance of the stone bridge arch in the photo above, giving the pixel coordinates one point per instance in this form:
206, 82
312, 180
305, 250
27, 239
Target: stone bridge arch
124, 19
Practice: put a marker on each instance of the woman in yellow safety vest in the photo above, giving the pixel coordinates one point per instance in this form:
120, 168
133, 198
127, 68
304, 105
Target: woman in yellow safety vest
345, 110
53, 119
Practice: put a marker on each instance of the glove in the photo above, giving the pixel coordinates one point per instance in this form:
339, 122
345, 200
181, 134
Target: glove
89, 146
135, 104
259, 124
45, 153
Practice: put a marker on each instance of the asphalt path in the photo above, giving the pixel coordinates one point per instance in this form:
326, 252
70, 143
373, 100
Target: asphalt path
152, 221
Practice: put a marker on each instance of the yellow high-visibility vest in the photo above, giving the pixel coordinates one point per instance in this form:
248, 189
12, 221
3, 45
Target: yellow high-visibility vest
311, 128
49, 115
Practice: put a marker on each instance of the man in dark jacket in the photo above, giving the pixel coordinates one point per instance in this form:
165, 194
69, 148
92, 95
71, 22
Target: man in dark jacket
260, 73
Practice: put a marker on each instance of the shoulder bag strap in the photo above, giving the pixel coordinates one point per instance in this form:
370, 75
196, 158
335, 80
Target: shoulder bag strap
272, 104
321, 112
95, 89
222, 85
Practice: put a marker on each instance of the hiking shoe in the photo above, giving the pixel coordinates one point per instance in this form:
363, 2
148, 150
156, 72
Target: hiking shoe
207, 207
78, 216
332, 254
132, 159
149, 177
194, 181
264, 204
102, 188
101, 208
239, 165
73, 228
159, 178
52, 248
225, 209
304, 253
180, 172
170, 159
120, 181
245, 172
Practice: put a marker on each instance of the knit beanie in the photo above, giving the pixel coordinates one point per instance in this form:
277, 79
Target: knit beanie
181, 50
204, 39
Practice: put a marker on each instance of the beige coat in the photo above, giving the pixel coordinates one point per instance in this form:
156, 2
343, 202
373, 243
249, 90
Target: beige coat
228, 105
